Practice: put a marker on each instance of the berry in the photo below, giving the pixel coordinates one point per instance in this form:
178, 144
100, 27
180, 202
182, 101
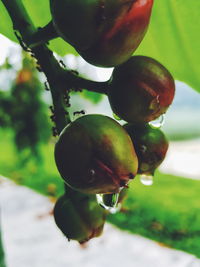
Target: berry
104, 32
94, 154
150, 145
79, 216
141, 89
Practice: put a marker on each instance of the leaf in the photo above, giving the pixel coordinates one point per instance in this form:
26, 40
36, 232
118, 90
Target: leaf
172, 37
92, 96
173, 40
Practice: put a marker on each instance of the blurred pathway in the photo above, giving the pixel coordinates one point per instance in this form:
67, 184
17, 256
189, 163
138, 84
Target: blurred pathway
183, 159
31, 239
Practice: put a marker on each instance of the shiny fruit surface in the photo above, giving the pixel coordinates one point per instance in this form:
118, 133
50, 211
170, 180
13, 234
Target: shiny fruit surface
104, 32
94, 154
79, 217
141, 89
150, 144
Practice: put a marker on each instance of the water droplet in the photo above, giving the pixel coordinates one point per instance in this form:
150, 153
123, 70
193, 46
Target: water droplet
92, 172
115, 209
109, 202
146, 179
159, 122
91, 176
143, 148
116, 117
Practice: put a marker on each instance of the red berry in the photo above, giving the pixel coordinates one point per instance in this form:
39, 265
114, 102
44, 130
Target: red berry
104, 32
150, 144
94, 154
141, 89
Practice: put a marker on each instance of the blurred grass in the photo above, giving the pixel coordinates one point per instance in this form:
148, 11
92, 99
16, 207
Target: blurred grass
36, 174
2, 261
168, 211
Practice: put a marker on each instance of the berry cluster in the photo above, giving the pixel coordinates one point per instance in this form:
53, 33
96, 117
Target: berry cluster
95, 154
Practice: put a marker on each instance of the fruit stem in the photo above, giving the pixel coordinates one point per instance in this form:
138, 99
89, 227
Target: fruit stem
43, 35
79, 82
71, 193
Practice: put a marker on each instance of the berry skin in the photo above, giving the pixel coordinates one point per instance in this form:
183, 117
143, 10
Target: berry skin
95, 155
79, 217
150, 145
104, 32
140, 90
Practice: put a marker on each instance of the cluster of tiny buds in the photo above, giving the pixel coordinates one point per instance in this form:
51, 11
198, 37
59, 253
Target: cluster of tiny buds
79, 112
62, 64
21, 42
77, 89
67, 98
54, 131
39, 68
27, 49
53, 117
75, 72
46, 86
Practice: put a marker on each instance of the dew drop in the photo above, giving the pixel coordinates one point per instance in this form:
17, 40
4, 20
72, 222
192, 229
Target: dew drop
146, 179
91, 176
109, 202
115, 209
100, 200
92, 172
159, 122
143, 149
116, 117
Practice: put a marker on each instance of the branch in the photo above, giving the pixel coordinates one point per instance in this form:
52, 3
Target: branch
78, 82
45, 59
43, 35
60, 80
